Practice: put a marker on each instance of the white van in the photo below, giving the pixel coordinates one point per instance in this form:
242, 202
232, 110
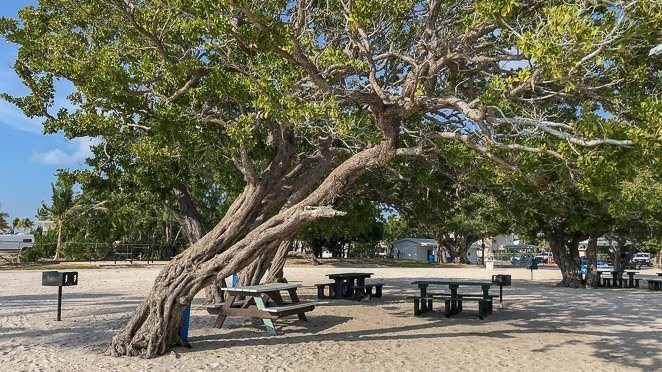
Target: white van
15, 243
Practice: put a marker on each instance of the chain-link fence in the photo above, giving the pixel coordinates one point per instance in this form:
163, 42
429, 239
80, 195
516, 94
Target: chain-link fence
118, 252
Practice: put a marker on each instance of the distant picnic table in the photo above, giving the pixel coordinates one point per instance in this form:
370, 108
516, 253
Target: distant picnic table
261, 301
453, 301
349, 286
617, 279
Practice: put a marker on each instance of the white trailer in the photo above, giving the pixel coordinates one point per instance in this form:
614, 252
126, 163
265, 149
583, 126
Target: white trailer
15, 243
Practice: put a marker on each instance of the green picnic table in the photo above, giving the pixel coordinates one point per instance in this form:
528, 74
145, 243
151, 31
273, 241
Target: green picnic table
453, 285
262, 301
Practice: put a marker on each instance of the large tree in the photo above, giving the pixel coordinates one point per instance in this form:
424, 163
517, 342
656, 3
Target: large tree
445, 197
307, 96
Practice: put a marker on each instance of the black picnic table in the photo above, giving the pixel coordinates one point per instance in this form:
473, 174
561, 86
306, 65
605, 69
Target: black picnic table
453, 285
612, 272
618, 278
262, 301
345, 284
631, 275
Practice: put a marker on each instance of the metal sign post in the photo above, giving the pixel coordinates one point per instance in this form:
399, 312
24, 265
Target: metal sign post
59, 279
533, 266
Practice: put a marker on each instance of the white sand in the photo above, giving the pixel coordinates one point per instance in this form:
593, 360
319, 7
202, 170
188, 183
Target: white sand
542, 328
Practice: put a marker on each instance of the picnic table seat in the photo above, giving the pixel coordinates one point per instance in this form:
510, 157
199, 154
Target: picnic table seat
655, 284
484, 305
606, 282
320, 290
367, 289
417, 303
292, 309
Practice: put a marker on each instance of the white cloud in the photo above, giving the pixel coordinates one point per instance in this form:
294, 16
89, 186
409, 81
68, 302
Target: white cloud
14, 118
79, 151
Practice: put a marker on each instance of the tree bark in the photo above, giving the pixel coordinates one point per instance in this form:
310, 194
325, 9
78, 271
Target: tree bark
620, 258
191, 221
58, 246
306, 251
253, 273
455, 246
275, 273
187, 215
566, 255
592, 264
229, 247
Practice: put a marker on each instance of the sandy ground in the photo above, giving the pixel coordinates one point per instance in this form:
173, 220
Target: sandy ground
541, 328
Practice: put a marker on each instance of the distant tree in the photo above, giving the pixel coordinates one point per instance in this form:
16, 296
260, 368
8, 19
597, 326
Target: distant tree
27, 223
3, 220
65, 207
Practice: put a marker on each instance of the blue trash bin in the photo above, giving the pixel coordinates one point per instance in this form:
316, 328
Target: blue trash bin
183, 330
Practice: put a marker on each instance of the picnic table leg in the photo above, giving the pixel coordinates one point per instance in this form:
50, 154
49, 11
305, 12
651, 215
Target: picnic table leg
295, 299
267, 322
220, 319
424, 293
276, 297
360, 282
631, 280
453, 289
338, 289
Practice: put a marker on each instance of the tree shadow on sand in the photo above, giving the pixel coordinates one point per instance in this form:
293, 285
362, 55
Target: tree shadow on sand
531, 308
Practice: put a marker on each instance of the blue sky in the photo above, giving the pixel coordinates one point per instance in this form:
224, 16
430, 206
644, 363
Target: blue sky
29, 158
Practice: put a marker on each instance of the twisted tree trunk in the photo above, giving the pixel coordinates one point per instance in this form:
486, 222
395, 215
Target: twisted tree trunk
191, 221
253, 273
275, 273
592, 276
456, 246
566, 255
230, 247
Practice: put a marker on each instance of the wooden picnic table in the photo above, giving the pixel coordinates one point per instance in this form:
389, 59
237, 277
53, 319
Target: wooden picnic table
262, 301
347, 284
453, 285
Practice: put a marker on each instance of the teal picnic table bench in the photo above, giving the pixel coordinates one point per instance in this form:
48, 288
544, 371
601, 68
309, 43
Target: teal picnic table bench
263, 301
423, 303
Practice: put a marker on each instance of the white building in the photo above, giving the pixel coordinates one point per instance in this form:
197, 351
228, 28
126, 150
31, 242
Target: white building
417, 249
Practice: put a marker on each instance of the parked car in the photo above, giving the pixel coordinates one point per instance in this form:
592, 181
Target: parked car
641, 259
521, 259
544, 256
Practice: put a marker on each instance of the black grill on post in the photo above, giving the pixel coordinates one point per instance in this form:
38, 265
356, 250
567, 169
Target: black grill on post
501, 280
59, 279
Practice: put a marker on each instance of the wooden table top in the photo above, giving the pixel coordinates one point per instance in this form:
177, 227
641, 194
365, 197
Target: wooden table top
262, 288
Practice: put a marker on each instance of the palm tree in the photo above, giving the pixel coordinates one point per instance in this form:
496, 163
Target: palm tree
3, 220
27, 224
65, 207
16, 223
